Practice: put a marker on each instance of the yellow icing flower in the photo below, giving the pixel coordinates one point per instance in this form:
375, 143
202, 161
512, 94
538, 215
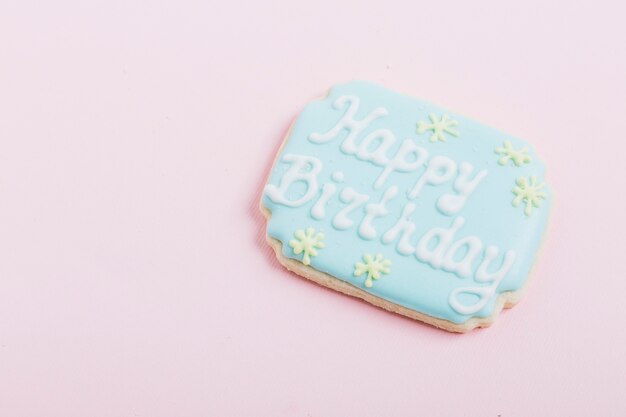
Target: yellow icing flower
528, 191
307, 241
373, 267
438, 126
518, 156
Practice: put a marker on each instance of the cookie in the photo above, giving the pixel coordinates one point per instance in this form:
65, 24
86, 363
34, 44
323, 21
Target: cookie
407, 206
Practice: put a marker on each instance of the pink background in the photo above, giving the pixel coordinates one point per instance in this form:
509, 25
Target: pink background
135, 137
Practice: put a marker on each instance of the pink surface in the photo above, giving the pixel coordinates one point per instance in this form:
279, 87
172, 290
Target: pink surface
134, 278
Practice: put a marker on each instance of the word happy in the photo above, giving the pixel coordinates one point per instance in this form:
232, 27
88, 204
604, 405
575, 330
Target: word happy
438, 247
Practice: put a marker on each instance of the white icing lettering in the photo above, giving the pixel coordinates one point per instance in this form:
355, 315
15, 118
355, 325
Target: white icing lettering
400, 163
463, 267
318, 211
382, 139
440, 170
405, 227
354, 200
451, 203
484, 294
490, 253
366, 230
303, 168
348, 122
442, 238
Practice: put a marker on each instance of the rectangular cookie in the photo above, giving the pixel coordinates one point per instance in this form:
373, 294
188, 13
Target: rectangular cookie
407, 206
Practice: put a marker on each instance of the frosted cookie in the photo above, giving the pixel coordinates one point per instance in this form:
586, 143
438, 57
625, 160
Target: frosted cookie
406, 205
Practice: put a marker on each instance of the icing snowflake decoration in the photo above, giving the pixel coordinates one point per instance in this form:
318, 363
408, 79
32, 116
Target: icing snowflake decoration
438, 126
373, 267
518, 156
529, 192
308, 242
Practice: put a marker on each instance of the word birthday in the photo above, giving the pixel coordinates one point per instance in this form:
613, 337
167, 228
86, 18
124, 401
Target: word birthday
438, 247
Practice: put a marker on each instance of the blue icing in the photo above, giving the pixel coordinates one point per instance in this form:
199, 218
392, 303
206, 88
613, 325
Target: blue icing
488, 211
